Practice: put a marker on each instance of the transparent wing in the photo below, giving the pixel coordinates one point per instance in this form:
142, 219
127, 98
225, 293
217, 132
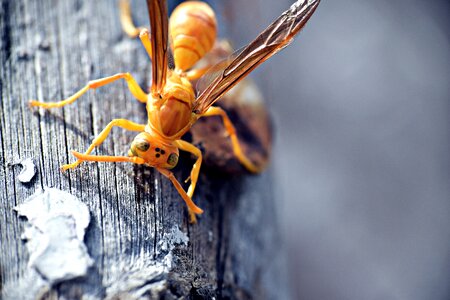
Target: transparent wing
157, 10
216, 70
275, 37
171, 59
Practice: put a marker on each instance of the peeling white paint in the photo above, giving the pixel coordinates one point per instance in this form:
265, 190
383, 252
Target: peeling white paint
175, 237
171, 239
57, 222
147, 277
143, 279
31, 286
210, 236
28, 170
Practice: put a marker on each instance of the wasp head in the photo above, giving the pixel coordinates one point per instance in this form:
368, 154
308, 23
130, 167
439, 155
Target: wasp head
154, 151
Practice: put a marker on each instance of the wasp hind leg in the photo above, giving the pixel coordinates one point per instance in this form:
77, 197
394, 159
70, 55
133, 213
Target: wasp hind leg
134, 88
229, 127
130, 29
126, 124
126, 20
197, 73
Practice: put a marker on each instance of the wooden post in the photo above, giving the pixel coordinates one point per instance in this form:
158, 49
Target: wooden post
49, 49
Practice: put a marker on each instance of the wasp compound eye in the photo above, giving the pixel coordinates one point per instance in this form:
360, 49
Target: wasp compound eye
173, 159
142, 145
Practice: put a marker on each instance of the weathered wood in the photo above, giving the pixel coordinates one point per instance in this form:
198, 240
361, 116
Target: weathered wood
49, 49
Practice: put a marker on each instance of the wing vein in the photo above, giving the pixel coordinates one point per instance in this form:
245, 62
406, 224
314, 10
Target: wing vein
159, 42
274, 38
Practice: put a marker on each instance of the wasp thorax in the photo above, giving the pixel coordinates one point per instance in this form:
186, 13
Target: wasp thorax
174, 112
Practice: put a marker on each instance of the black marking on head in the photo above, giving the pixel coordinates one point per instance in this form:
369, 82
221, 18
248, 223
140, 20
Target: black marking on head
157, 155
157, 149
163, 152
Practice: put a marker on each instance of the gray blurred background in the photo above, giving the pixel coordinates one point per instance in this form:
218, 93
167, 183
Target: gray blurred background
361, 108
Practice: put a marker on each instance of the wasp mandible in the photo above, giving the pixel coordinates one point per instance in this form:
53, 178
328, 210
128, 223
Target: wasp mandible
172, 106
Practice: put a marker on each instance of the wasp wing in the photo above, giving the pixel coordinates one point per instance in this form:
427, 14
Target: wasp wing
275, 37
157, 10
221, 63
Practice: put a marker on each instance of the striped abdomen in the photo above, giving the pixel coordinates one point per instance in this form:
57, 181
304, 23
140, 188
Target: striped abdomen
193, 30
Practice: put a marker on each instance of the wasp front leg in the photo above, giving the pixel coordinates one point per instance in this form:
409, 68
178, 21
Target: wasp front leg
188, 147
126, 124
229, 127
134, 88
192, 208
108, 158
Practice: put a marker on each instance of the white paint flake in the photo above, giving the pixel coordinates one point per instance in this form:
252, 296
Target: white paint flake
28, 170
148, 276
57, 222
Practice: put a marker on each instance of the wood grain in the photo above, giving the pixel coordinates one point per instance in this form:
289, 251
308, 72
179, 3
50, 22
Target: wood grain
49, 49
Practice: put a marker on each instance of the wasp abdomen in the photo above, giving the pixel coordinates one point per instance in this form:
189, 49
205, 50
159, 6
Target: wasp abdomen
193, 30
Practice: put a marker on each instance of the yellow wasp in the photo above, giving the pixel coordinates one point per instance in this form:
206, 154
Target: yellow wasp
172, 105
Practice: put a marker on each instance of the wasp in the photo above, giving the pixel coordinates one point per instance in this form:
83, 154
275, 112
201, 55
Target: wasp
172, 105
244, 102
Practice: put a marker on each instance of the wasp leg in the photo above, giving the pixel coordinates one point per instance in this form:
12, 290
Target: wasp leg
130, 29
107, 158
196, 73
188, 147
144, 35
134, 88
126, 20
102, 136
229, 127
192, 208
